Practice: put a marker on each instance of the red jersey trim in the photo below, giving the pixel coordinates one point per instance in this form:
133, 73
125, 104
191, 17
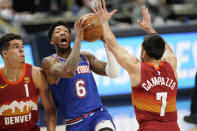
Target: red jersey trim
14, 82
156, 68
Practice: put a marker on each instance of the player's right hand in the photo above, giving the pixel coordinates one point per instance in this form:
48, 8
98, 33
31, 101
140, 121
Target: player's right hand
79, 28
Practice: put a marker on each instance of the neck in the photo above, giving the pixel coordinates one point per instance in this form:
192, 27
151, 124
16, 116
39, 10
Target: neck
13, 72
64, 54
154, 62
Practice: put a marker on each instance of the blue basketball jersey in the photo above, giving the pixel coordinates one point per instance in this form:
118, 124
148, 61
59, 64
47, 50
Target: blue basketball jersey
78, 95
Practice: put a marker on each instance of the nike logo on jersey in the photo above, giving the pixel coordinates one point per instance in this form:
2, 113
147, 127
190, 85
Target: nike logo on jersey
83, 69
3, 86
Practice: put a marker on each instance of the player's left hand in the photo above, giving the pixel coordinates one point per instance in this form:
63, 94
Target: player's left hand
101, 12
79, 28
146, 24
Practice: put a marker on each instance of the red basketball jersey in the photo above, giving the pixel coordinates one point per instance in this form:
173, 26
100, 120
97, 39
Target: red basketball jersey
19, 102
155, 97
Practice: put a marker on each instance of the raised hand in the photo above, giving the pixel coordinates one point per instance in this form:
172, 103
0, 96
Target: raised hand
101, 12
79, 28
146, 24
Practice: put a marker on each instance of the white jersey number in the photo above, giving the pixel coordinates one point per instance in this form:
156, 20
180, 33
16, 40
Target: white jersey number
26, 90
80, 88
162, 96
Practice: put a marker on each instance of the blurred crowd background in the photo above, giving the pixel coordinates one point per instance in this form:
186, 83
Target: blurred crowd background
22, 16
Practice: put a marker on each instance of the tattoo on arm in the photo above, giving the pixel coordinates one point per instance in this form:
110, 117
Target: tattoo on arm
53, 66
72, 63
50, 66
99, 67
46, 64
96, 65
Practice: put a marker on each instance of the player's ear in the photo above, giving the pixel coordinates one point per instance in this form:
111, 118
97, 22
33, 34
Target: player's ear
51, 41
5, 53
144, 54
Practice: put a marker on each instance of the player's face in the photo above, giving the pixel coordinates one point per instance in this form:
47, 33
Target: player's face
15, 52
61, 37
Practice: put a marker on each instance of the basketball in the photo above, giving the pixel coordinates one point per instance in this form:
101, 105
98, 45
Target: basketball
94, 31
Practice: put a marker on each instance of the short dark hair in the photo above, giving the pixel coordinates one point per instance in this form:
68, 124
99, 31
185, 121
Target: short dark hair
154, 46
5, 39
51, 29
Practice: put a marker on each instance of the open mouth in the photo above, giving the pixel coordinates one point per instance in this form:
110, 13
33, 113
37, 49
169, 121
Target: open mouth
63, 41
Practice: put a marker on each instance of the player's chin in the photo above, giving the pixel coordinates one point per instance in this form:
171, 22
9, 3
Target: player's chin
21, 61
22, 58
64, 46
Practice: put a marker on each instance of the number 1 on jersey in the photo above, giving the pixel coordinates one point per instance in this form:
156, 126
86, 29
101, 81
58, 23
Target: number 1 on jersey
162, 96
26, 90
80, 88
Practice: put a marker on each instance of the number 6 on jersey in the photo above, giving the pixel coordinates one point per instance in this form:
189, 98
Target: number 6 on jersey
80, 88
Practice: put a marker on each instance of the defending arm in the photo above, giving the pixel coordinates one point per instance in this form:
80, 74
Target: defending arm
112, 68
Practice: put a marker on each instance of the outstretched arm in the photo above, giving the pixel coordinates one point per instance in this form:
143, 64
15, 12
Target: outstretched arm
146, 25
46, 97
127, 61
170, 57
112, 68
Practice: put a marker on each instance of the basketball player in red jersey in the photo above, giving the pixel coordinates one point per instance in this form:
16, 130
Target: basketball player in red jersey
20, 86
154, 79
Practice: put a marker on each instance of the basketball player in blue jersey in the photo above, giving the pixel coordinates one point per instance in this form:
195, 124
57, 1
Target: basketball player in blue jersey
69, 72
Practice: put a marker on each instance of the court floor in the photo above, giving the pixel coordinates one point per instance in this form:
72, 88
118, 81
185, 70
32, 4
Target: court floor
124, 118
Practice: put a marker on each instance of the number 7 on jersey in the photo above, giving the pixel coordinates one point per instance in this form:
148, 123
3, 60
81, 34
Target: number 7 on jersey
163, 97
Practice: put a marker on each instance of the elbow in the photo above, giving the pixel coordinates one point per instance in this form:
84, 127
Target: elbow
114, 76
112, 72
